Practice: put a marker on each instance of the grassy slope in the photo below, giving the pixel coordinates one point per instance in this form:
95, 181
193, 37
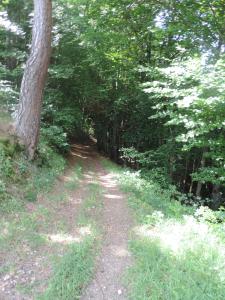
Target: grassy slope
178, 250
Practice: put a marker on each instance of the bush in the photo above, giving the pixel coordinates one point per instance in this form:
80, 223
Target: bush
55, 136
205, 214
158, 175
2, 190
44, 153
6, 168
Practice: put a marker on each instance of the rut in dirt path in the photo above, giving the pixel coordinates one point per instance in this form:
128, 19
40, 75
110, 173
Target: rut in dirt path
114, 258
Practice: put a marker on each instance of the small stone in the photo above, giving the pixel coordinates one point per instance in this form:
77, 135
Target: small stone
6, 277
119, 292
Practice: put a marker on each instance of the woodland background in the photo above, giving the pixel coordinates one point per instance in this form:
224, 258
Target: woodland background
146, 78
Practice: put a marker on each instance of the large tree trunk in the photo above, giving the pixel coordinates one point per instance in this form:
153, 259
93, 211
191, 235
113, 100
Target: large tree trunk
27, 118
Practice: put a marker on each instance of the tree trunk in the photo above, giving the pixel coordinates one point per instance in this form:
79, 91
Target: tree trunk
216, 197
193, 169
199, 185
27, 117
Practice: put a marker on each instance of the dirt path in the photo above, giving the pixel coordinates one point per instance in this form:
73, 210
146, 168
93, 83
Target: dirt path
34, 266
116, 223
114, 257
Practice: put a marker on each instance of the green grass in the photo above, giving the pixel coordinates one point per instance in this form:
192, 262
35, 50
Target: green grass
92, 203
5, 116
61, 197
75, 178
23, 226
72, 273
26, 289
17, 224
23, 181
178, 254
43, 178
20, 228
10, 205
75, 269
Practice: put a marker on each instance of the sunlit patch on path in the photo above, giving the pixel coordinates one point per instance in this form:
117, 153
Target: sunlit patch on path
62, 238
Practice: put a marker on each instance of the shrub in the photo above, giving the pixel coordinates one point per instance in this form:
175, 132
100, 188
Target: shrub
2, 190
6, 168
158, 175
55, 136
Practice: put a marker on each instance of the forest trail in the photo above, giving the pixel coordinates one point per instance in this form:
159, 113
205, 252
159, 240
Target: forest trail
114, 222
114, 258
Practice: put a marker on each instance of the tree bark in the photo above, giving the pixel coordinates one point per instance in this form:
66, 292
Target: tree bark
27, 117
216, 197
199, 185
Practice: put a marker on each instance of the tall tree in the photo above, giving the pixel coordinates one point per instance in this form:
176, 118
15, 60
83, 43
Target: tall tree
27, 117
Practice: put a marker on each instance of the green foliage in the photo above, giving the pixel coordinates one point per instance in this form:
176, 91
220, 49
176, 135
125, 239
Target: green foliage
205, 214
73, 273
146, 78
188, 99
28, 178
10, 205
2, 190
6, 173
8, 95
56, 137
159, 175
6, 168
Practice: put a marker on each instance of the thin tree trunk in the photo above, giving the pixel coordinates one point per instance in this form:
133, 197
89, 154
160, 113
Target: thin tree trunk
193, 169
185, 173
216, 196
199, 185
27, 117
